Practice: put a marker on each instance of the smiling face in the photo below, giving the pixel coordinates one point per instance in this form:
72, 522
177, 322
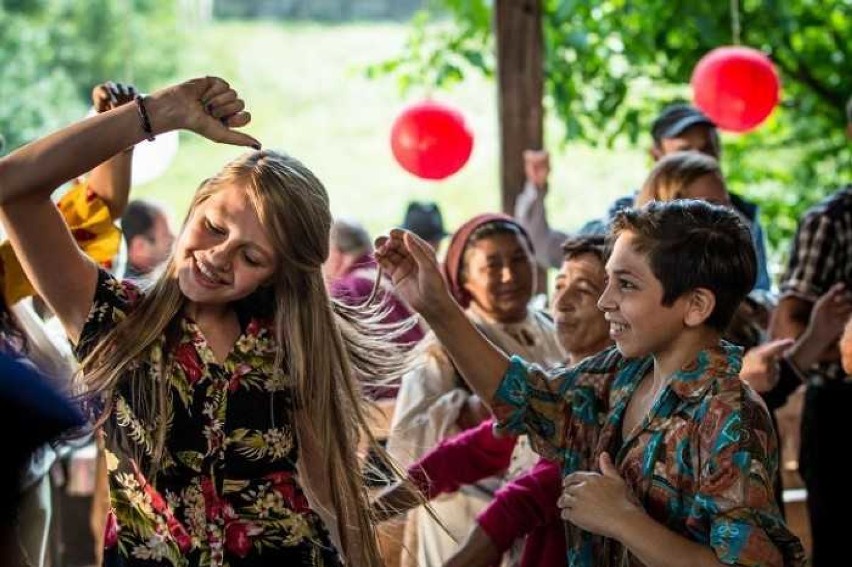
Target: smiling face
223, 253
581, 326
498, 275
632, 302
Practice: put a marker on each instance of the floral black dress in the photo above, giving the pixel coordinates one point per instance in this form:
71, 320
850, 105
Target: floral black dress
226, 492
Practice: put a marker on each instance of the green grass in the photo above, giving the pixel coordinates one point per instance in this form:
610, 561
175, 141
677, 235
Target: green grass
305, 87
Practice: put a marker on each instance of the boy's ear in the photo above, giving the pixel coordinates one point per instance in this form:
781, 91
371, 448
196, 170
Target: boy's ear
700, 305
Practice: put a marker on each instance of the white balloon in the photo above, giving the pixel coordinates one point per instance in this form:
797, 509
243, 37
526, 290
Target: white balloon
151, 159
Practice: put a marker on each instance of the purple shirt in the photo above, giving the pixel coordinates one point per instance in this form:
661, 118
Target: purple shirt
354, 287
525, 506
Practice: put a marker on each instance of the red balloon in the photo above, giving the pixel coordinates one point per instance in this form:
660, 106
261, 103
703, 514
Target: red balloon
431, 140
736, 87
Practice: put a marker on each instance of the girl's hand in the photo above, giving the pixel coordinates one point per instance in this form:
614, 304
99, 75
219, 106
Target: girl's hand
206, 106
109, 95
414, 270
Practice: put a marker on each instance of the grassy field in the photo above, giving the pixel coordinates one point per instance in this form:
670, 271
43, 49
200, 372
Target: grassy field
306, 89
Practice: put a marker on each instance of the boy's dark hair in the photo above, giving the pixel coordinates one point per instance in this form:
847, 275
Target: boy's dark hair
585, 244
693, 244
138, 220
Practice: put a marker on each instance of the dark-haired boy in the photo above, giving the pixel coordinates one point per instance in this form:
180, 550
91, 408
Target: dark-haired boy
668, 457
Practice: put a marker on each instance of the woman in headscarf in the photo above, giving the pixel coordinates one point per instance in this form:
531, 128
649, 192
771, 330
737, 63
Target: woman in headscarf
490, 269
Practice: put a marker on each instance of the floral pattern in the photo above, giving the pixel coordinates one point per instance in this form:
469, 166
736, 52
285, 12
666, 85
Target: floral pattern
226, 492
702, 461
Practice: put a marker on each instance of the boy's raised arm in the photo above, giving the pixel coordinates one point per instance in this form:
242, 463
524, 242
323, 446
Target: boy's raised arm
414, 270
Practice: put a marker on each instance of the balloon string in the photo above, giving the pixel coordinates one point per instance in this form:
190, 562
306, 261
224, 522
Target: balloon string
735, 21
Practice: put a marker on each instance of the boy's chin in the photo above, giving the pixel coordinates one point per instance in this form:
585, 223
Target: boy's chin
631, 351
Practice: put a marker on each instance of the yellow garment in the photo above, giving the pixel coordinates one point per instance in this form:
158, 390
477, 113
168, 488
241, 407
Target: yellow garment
87, 215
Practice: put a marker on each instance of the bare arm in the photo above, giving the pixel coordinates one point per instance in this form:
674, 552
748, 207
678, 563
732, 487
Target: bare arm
790, 318
827, 319
477, 550
110, 180
59, 271
657, 546
414, 271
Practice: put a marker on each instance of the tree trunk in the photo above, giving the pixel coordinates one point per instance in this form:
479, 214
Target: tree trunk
520, 76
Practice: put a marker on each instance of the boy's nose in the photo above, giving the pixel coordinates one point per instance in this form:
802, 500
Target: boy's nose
605, 301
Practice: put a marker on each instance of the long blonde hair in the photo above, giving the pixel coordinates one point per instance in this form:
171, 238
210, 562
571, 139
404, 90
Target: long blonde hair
327, 343
673, 174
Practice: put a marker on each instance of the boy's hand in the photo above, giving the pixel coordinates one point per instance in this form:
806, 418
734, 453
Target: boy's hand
414, 271
109, 95
597, 502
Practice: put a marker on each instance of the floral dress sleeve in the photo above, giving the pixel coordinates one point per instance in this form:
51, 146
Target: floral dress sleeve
558, 408
739, 457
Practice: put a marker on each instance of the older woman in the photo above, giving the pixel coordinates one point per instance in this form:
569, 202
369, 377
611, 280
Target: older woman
490, 269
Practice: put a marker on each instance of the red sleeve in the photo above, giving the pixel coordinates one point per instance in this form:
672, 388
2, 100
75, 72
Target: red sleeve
529, 501
468, 457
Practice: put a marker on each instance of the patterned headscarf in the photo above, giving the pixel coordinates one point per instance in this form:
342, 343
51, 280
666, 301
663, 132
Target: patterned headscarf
454, 260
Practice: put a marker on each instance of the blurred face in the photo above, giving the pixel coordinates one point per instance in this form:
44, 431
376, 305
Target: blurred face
333, 267
162, 240
708, 188
147, 251
499, 276
632, 302
698, 138
581, 326
224, 254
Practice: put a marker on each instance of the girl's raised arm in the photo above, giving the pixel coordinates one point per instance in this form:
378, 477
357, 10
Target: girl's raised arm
59, 271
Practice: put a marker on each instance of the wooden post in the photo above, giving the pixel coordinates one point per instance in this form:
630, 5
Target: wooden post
520, 79
520, 76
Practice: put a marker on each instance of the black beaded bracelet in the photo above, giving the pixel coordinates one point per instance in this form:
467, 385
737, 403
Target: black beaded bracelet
143, 117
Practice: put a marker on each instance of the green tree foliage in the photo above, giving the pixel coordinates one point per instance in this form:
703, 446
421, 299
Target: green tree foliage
55, 51
610, 65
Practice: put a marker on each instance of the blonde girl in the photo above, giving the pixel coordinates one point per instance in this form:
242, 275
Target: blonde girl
226, 390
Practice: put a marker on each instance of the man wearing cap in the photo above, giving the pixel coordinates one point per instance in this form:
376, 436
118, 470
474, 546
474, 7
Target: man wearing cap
425, 220
678, 128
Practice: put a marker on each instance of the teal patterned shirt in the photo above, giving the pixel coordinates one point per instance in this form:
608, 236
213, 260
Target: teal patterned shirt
702, 462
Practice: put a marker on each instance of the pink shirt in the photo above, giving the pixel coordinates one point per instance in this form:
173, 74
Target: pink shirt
524, 506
